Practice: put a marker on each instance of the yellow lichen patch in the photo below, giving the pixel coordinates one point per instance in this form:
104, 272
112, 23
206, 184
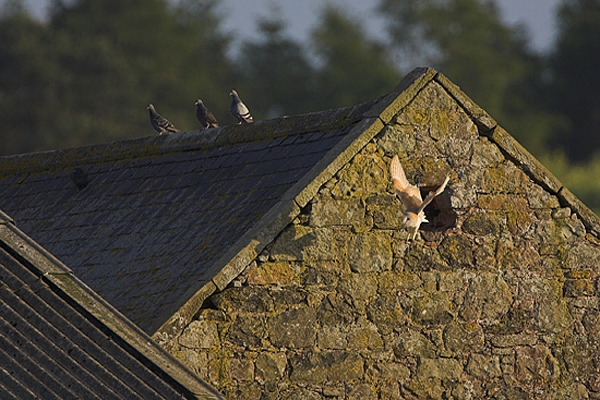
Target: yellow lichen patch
270, 273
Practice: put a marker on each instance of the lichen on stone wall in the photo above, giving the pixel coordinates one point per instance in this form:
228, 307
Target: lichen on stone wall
501, 303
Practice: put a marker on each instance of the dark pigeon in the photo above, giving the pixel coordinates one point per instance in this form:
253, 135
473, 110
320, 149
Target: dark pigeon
239, 110
205, 116
159, 123
79, 178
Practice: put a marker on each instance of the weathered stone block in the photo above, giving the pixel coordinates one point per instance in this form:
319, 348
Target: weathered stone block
574, 391
388, 371
245, 391
457, 251
536, 365
422, 258
360, 391
540, 198
492, 201
270, 366
450, 281
200, 334
434, 309
484, 223
578, 274
463, 337
440, 368
483, 366
583, 255
506, 178
591, 321
386, 313
411, 343
552, 312
285, 297
386, 211
390, 391
331, 212
368, 252
298, 243
462, 195
487, 299
360, 287
243, 299
330, 338
518, 221
293, 329
397, 140
241, 369
485, 154
514, 340
197, 361
578, 287
364, 337
365, 176
247, 331
332, 366
336, 309
270, 273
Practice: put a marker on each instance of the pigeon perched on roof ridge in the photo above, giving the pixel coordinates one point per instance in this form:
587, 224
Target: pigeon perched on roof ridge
238, 109
205, 116
410, 196
159, 123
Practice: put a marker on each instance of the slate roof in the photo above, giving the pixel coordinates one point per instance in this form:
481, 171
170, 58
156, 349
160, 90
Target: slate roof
159, 211
59, 340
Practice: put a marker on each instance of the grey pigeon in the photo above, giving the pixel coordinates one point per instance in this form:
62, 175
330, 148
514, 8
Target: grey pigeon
239, 109
159, 123
205, 116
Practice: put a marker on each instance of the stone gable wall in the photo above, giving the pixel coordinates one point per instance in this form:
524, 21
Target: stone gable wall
497, 297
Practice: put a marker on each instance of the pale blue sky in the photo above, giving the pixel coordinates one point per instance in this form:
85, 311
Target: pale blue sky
301, 16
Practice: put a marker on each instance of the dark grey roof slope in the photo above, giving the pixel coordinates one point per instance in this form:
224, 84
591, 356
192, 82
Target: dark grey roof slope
58, 340
158, 212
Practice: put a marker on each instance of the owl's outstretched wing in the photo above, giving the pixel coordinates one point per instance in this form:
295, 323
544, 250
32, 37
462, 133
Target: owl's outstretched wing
431, 195
405, 192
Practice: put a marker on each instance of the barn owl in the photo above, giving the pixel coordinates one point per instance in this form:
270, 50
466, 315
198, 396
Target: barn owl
410, 196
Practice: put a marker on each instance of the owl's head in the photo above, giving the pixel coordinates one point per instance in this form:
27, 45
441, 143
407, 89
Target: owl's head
413, 221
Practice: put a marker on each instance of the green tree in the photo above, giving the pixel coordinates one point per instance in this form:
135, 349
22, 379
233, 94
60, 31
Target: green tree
353, 68
575, 86
467, 41
119, 56
276, 72
26, 81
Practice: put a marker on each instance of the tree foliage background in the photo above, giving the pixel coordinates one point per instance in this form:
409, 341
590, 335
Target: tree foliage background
86, 74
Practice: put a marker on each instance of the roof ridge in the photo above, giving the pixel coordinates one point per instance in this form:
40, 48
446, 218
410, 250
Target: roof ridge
263, 130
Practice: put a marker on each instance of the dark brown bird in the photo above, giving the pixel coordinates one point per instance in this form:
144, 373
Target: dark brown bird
205, 116
159, 123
